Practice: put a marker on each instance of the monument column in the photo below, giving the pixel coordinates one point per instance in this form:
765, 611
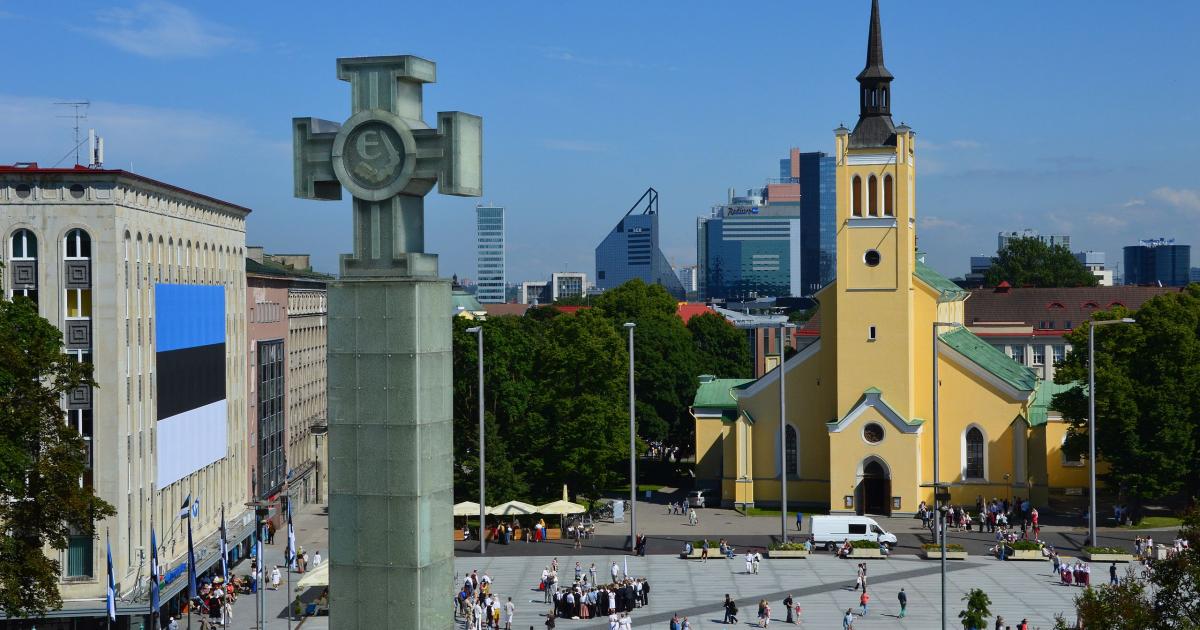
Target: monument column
390, 380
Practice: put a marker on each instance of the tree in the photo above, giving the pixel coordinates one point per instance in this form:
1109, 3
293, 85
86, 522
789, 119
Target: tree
1147, 397
42, 460
722, 348
1029, 262
976, 614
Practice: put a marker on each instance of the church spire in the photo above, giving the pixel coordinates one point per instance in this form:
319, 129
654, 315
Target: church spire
874, 128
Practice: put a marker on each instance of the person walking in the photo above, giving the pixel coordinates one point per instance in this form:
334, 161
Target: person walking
799, 521
787, 605
749, 562
276, 577
903, 597
848, 620
704, 551
614, 571
692, 518
730, 610
1112, 574
592, 574
863, 600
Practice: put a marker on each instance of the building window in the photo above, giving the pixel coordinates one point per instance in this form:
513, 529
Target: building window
1070, 458
78, 244
889, 207
871, 258
870, 333
873, 433
791, 450
856, 196
1059, 352
1017, 353
1039, 355
22, 250
79, 556
974, 468
873, 195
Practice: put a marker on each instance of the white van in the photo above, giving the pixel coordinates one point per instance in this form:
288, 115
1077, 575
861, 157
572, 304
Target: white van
832, 530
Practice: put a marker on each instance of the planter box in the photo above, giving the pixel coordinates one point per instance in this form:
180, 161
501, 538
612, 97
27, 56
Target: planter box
782, 553
1024, 554
865, 554
1109, 557
713, 554
936, 554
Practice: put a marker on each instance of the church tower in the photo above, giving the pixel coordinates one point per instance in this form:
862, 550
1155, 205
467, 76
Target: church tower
876, 241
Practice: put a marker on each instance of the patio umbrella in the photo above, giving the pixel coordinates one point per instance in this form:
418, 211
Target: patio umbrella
316, 577
560, 507
513, 508
467, 508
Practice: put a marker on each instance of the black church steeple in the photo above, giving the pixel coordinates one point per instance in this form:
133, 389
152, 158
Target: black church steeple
874, 128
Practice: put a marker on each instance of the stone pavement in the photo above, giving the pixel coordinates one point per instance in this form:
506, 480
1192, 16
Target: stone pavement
822, 586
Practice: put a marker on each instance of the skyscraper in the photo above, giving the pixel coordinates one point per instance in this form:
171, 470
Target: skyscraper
818, 205
489, 254
631, 250
1157, 261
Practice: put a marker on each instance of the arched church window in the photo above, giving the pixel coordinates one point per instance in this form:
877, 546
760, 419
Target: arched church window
856, 196
974, 446
889, 206
791, 450
873, 195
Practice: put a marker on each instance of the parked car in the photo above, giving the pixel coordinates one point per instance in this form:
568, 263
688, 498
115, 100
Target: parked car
832, 530
696, 498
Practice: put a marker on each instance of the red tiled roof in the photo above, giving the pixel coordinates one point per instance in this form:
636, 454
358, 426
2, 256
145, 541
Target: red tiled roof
83, 171
500, 310
687, 310
1053, 308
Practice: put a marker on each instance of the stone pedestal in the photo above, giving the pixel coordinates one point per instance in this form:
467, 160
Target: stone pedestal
390, 453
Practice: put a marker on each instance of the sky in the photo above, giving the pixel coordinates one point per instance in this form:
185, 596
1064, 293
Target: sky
1073, 116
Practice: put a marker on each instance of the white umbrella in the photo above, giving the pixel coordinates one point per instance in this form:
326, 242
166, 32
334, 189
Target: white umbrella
512, 508
560, 507
317, 577
467, 508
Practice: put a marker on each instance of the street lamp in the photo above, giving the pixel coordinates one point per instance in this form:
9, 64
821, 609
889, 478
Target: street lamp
478, 332
1092, 420
939, 522
783, 526
632, 449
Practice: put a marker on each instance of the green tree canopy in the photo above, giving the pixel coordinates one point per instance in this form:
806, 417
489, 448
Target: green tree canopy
1147, 396
1027, 261
42, 460
722, 346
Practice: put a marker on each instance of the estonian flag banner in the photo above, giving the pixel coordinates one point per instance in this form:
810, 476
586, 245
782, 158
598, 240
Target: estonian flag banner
154, 573
291, 542
191, 565
186, 509
111, 597
224, 549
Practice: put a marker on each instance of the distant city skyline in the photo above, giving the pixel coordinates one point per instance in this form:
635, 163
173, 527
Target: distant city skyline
585, 106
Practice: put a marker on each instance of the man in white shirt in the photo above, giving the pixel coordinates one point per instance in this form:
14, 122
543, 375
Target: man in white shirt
614, 571
614, 621
316, 559
749, 562
626, 622
509, 611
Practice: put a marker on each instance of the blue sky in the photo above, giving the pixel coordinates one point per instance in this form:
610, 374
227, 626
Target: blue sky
1070, 116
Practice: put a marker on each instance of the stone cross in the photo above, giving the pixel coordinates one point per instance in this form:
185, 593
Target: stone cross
389, 159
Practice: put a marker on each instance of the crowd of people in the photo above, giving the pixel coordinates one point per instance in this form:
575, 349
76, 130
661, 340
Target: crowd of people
988, 516
586, 598
480, 607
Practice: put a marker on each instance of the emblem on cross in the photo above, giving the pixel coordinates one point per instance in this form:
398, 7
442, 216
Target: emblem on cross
389, 159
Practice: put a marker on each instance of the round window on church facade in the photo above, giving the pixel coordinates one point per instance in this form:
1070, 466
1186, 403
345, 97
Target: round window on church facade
873, 433
871, 258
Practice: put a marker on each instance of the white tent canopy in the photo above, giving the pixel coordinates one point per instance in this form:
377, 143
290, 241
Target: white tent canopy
467, 508
319, 576
560, 507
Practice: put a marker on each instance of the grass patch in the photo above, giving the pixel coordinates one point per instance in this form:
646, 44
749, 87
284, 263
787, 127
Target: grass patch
791, 546
864, 544
1154, 522
642, 487
1095, 550
938, 548
1024, 545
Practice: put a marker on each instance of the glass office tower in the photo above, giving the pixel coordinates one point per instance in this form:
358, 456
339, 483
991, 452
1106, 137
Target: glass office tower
489, 254
631, 251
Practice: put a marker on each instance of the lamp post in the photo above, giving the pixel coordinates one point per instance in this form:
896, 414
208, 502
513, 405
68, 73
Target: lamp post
632, 449
783, 525
1092, 421
939, 521
478, 332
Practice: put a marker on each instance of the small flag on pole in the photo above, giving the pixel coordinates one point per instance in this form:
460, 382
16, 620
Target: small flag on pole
153, 572
186, 509
626, 567
111, 597
224, 549
290, 554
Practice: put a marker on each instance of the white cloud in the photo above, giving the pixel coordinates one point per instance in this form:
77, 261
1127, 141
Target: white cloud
1134, 203
160, 29
931, 222
1182, 198
578, 146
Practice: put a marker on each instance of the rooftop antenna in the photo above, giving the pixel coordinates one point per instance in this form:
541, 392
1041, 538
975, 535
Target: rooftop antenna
78, 115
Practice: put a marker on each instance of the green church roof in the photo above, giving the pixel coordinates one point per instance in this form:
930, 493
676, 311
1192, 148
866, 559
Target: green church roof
460, 299
1039, 411
991, 359
950, 292
718, 393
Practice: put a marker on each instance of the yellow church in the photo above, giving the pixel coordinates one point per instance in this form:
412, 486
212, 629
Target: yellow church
859, 435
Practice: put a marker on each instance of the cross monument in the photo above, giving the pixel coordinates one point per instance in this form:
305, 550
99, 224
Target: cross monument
389, 351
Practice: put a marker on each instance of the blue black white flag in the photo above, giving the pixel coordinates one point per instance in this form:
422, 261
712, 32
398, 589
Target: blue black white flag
111, 597
290, 554
185, 510
154, 574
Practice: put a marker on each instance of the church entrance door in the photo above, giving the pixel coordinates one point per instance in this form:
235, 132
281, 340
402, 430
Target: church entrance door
875, 490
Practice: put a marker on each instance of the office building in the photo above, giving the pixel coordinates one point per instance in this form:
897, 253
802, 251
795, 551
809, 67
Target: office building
1094, 262
687, 277
562, 284
489, 254
631, 250
814, 172
535, 292
1194, 275
147, 282
749, 247
1158, 261
1052, 240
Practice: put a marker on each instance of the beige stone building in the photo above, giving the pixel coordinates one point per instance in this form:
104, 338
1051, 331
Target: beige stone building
147, 281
